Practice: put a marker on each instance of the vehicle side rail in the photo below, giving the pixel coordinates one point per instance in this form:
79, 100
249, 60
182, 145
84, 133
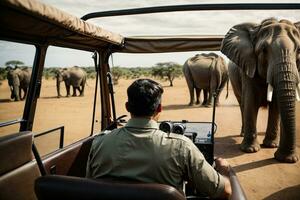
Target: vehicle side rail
237, 190
61, 138
193, 7
8, 123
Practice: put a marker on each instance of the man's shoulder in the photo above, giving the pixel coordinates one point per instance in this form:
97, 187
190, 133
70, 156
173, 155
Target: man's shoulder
176, 137
100, 136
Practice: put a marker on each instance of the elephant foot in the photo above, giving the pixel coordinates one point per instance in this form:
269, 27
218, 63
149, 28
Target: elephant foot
74, 95
286, 157
198, 102
191, 104
81, 95
267, 143
250, 146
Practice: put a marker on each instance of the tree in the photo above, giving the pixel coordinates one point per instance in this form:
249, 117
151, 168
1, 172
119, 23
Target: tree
167, 70
13, 63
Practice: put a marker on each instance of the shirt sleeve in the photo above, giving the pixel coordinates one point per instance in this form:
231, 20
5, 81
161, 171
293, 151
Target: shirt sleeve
90, 161
88, 173
205, 178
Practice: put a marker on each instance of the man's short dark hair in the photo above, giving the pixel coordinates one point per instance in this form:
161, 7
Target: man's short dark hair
144, 96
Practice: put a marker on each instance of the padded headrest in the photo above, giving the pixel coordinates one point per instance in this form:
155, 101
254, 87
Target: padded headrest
15, 150
75, 188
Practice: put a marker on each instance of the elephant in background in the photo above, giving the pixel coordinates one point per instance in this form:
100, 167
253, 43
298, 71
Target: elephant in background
18, 80
75, 77
207, 72
266, 57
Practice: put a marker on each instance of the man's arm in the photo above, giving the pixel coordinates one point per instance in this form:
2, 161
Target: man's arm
222, 166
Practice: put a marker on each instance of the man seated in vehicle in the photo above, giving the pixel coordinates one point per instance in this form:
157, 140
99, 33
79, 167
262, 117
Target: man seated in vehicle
142, 152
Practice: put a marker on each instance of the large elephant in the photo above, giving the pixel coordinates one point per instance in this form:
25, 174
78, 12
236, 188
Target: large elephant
207, 72
267, 55
74, 76
18, 80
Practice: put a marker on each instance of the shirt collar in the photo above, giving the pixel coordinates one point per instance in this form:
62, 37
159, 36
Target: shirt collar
142, 123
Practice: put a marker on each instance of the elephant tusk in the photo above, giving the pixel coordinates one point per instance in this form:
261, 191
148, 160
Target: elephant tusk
269, 93
298, 92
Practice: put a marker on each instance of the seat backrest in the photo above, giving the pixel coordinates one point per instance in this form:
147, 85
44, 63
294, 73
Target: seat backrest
68, 187
18, 170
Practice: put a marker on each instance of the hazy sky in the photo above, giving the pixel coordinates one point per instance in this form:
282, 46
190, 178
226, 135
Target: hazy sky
195, 22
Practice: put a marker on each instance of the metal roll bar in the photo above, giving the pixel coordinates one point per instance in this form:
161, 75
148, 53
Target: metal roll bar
194, 7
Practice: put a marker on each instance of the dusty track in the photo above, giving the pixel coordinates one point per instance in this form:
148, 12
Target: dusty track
261, 176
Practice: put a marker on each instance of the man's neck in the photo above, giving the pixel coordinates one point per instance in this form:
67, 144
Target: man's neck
154, 117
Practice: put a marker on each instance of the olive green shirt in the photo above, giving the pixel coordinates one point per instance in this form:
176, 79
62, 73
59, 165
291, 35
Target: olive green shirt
142, 152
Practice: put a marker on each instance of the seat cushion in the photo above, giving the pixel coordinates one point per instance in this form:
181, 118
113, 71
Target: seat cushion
67, 187
15, 150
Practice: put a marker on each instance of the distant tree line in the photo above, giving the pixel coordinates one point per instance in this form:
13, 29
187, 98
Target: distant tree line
167, 71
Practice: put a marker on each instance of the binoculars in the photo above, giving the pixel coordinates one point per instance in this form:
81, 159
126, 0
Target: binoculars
168, 127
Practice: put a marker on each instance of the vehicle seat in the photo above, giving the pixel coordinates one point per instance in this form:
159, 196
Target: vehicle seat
76, 188
18, 170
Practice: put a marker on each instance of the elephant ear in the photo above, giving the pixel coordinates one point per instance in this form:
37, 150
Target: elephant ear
238, 46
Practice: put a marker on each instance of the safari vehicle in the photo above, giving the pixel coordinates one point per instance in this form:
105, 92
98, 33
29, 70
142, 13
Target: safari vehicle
24, 172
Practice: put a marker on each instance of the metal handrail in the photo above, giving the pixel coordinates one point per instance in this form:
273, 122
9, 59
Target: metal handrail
8, 123
62, 133
194, 7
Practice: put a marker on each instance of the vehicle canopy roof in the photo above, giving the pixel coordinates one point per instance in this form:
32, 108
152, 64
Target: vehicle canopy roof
31, 21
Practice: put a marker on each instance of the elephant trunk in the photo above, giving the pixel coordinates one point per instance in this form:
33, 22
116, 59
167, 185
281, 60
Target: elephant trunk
285, 90
15, 93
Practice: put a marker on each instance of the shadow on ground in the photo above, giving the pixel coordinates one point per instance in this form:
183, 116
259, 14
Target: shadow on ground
181, 107
55, 97
5, 100
254, 165
52, 97
228, 147
292, 193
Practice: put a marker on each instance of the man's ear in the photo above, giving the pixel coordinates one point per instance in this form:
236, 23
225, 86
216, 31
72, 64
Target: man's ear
159, 108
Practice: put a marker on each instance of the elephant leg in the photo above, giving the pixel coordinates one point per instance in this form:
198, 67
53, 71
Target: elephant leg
68, 90
271, 139
217, 98
22, 97
74, 91
82, 90
12, 94
25, 93
198, 91
210, 97
250, 143
205, 94
242, 128
250, 111
191, 89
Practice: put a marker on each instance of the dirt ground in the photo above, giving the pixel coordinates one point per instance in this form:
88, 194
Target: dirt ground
261, 176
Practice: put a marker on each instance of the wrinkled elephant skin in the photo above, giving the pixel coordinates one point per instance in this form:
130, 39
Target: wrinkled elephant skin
18, 81
207, 72
75, 77
264, 72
